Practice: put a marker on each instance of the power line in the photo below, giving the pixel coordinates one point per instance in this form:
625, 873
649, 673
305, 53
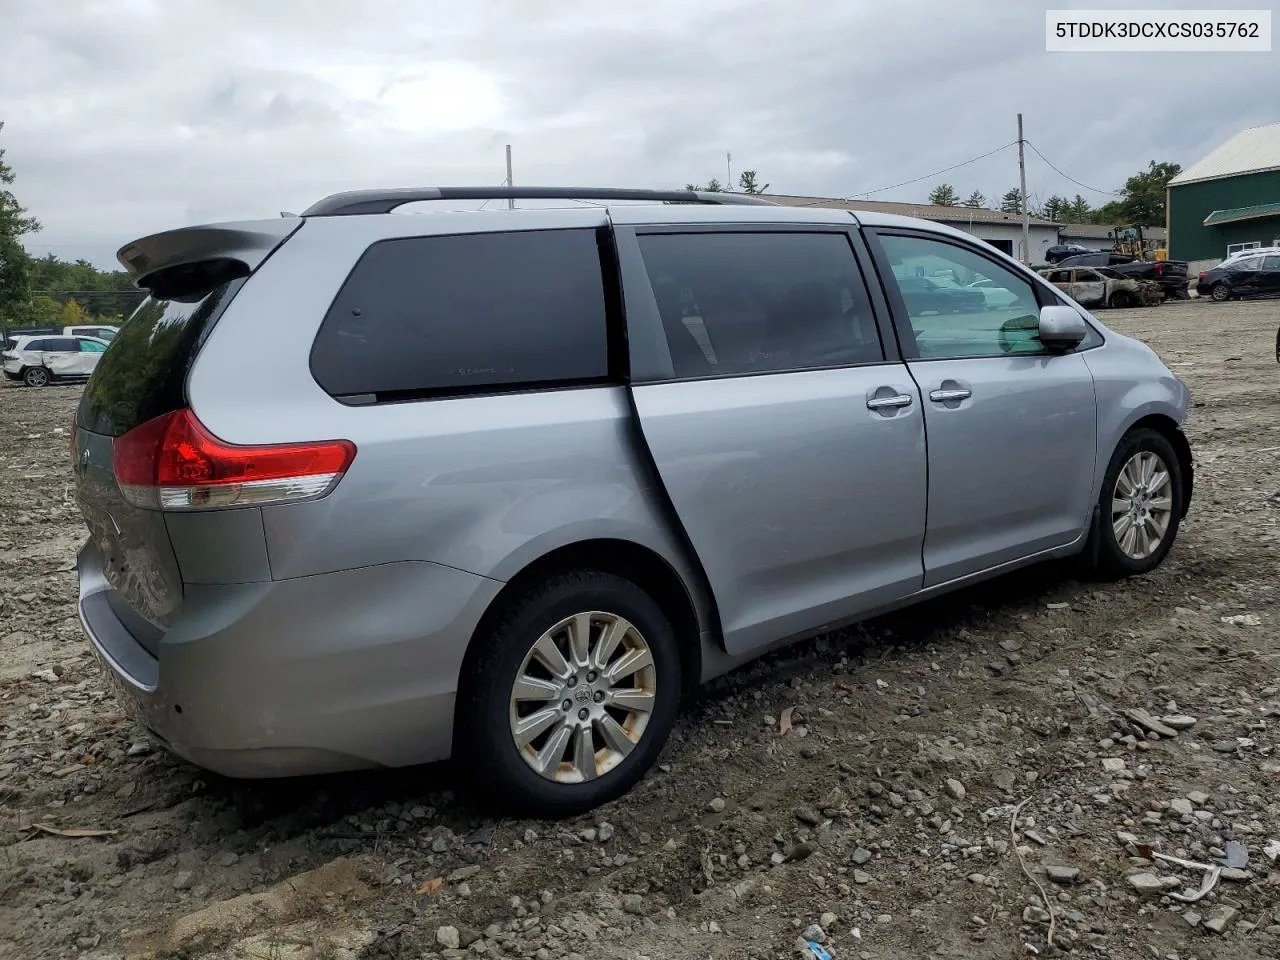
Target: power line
1111, 193
927, 176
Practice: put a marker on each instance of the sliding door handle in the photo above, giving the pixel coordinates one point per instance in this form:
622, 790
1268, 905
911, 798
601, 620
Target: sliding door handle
889, 403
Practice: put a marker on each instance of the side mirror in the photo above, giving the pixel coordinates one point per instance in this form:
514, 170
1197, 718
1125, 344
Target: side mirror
1061, 328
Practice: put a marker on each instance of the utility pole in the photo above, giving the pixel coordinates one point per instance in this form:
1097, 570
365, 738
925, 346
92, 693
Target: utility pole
511, 201
728, 169
1022, 188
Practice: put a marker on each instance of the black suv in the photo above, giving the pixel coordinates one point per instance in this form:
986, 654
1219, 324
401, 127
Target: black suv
1238, 279
1063, 250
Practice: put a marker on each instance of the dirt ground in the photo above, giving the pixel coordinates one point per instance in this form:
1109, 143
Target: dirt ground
887, 784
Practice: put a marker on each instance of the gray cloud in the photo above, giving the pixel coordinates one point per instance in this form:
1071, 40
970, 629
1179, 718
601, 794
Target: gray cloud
133, 116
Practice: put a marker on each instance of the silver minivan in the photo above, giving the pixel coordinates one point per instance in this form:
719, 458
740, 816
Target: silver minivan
368, 490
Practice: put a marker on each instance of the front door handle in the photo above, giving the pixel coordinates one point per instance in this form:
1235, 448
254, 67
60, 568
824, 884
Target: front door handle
888, 403
943, 396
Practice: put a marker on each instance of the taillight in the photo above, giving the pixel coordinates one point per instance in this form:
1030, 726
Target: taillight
173, 463
1203, 274
1159, 269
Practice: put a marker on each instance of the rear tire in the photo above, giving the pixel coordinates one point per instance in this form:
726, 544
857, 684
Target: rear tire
1139, 507
1220, 293
36, 377
1121, 300
549, 661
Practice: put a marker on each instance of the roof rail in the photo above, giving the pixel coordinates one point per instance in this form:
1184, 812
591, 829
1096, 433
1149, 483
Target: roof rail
355, 202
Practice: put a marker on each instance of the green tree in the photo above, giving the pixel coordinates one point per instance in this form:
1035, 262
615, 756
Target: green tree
1055, 208
976, 200
40, 311
1011, 202
711, 186
1110, 213
1078, 210
107, 295
749, 182
1142, 200
15, 264
944, 195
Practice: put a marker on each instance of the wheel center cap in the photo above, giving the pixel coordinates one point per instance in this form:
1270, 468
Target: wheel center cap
582, 695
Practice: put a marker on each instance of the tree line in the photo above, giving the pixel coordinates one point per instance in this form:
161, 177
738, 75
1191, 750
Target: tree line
47, 291
1141, 201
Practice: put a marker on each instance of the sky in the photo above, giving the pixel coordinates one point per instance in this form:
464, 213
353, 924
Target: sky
127, 117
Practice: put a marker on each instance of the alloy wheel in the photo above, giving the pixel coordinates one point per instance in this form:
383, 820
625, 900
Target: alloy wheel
582, 697
1142, 505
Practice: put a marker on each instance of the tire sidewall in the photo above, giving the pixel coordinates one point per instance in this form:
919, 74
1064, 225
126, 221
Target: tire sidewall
483, 742
1111, 557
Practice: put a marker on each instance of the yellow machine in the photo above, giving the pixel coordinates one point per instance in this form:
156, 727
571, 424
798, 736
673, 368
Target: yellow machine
1128, 239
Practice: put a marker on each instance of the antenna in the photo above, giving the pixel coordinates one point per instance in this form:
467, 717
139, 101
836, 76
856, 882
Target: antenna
511, 201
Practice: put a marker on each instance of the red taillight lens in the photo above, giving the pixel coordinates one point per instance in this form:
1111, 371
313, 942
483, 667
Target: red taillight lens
1159, 269
1203, 274
174, 463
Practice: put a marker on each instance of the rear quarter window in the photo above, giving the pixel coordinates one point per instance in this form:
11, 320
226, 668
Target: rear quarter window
144, 373
477, 313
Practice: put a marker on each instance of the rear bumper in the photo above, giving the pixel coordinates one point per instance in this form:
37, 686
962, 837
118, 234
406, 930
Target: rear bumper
341, 671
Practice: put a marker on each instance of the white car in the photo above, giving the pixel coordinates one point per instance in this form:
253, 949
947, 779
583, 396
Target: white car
997, 297
40, 360
97, 331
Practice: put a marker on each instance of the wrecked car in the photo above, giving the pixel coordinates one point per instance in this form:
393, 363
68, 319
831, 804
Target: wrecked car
1103, 287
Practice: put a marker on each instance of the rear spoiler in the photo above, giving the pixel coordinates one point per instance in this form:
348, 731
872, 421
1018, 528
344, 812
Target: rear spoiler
243, 243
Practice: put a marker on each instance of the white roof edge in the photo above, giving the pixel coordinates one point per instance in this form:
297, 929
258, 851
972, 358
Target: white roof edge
1182, 179
1251, 150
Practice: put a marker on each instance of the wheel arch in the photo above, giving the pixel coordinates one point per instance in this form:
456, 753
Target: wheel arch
644, 567
1168, 428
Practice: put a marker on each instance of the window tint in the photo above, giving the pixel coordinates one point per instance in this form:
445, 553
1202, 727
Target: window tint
736, 303
89, 346
961, 323
429, 316
144, 373
1248, 263
35, 345
63, 345
1271, 263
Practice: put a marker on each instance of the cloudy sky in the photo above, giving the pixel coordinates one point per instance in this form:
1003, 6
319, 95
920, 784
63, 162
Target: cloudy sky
123, 117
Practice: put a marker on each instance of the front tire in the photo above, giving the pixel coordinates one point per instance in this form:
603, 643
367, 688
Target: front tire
1139, 507
569, 697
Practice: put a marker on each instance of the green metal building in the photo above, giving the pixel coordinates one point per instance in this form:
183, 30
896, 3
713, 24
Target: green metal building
1228, 201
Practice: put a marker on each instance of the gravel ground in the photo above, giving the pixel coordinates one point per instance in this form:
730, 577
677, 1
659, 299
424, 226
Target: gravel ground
960, 780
